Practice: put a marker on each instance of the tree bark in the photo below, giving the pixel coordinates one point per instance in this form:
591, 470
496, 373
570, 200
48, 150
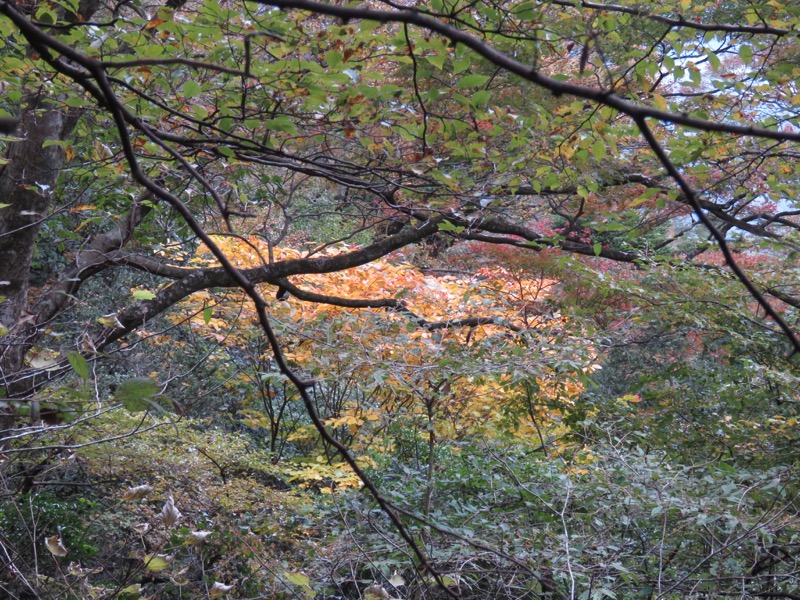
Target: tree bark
26, 185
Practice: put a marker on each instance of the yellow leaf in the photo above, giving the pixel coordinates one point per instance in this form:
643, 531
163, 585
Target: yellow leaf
157, 562
135, 588
297, 578
635, 398
110, 320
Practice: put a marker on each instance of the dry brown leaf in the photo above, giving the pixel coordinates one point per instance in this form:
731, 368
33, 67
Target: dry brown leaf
55, 545
169, 514
136, 493
219, 589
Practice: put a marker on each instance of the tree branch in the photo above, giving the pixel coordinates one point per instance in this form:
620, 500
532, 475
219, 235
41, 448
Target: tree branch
395, 305
601, 96
676, 22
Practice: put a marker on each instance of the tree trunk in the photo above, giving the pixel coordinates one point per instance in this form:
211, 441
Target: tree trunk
26, 185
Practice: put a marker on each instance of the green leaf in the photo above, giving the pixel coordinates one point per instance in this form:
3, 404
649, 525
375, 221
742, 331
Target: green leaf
437, 60
74, 102
746, 53
207, 314
136, 394
333, 58
227, 124
157, 562
132, 592
61, 143
612, 227
191, 89
143, 295
598, 248
599, 150
474, 80
45, 15
577, 106
297, 578
480, 98
461, 65
79, 364
646, 195
281, 124
450, 227
526, 10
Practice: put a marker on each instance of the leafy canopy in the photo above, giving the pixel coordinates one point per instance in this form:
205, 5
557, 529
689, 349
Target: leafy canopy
521, 275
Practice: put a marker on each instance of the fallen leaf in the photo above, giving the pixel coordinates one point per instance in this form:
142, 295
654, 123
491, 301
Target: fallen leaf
219, 589
157, 562
136, 493
169, 514
180, 578
195, 537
